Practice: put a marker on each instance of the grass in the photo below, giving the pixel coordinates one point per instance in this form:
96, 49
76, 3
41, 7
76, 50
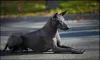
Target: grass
35, 8
81, 6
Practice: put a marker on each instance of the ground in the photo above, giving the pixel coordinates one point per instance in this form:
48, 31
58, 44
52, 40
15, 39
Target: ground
83, 34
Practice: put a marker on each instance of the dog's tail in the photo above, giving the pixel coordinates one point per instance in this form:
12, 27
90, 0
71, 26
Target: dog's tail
5, 47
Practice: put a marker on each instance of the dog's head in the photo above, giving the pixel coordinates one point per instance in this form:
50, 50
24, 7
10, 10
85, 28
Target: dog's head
59, 20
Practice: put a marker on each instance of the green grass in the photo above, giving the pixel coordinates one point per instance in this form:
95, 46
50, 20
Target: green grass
80, 6
38, 7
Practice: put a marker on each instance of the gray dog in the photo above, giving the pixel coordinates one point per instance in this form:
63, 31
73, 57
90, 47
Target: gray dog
43, 39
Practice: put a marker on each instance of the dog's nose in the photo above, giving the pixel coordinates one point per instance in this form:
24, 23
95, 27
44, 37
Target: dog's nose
67, 28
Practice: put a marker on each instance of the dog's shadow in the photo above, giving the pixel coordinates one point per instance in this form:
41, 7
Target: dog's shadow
6, 53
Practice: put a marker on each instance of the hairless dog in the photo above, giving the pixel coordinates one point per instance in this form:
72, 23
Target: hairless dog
43, 39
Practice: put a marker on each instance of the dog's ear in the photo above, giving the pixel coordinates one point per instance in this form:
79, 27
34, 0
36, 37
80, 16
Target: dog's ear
55, 15
63, 13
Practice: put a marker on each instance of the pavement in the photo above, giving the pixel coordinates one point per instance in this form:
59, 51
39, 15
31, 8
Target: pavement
83, 34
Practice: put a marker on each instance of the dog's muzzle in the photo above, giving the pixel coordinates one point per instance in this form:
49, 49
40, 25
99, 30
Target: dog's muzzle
64, 27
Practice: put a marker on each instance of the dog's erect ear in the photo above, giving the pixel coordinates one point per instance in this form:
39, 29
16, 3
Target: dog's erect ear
55, 15
63, 13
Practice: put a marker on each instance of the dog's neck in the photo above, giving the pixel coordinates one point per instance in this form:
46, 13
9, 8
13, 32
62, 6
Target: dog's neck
50, 29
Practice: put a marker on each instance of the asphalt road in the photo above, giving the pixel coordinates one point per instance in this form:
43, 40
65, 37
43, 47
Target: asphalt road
83, 34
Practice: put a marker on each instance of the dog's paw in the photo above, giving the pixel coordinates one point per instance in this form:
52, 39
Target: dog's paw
77, 51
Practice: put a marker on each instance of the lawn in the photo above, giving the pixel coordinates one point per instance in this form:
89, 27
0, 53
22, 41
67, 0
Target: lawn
38, 8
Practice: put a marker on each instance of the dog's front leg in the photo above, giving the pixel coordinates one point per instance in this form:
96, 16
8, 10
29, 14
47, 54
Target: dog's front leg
58, 38
61, 48
57, 49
